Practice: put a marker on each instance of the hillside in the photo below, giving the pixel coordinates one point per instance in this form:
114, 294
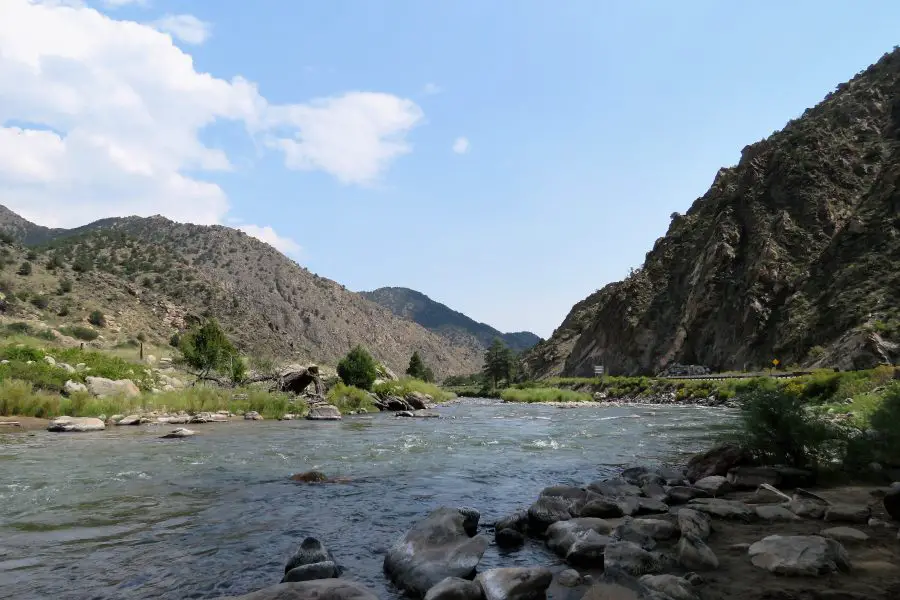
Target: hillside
152, 276
791, 254
443, 320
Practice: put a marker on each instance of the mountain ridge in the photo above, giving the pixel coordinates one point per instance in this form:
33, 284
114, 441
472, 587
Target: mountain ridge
787, 256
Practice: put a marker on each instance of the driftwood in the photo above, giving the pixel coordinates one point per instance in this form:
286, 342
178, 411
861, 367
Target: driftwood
294, 379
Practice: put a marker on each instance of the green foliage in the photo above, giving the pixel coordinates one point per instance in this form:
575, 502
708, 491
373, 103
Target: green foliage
404, 386
358, 369
206, 348
417, 368
885, 425
83, 264
350, 399
31, 255
499, 363
175, 340
543, 395
18, 328
54, 262
80, 332
97, 319
65, 286
41, 302
24, 269
141, 337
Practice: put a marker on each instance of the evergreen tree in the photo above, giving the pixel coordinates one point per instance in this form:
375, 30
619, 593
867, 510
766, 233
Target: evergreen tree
499, 362
207, 348
358, 369
417, 368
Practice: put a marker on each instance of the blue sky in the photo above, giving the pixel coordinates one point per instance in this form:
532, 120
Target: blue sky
588, 123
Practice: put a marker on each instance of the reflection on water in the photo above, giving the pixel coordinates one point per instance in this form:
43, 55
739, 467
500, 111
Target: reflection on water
123, 514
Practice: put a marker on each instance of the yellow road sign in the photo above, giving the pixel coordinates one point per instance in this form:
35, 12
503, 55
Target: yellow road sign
775, 361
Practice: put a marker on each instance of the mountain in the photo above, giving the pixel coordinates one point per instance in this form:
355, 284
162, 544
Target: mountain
439, 318
792, 254
153, 276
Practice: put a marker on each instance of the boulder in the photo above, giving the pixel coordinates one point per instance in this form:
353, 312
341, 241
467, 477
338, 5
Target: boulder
517, 521
324, 412
649, 506
580, 541
131, 420
630, 558
310, 477
73, 387
75, 424
320, 589
629, 505
320, 570
673, 476
569, 578
750, 478
417, 414
613, 488
613, 591
311, 551
724, 509
671, 587
438, 547
693, 523
546, 511
808, 506
775, 513
714, 485
717, 461
640, 475
681, 494
799, 555
455, 588
515, 583
181, 432
845, 535
635, 529
602, 507
252, 415
891, 502
105, 388
295, 379
509, 538
848, 513
694, 554
654, 491
416, 400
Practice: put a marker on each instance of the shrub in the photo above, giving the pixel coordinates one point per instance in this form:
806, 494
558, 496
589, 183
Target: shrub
543, 395
348, 398
406, 385
18, 328
53, 263
97, 319
41, 302
32, 255
24, 269
64, 310
175, 340
417, 368
80, 332
65, 286
885, 425
206, 348
141, 337
358, 369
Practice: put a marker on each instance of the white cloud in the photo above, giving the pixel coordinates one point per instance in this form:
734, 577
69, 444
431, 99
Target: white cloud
461, 145
268, 235
187, 28
431, 89
101, 117
119, 3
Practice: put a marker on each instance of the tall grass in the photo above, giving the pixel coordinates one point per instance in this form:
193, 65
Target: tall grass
543, 395
406, 385
350, 399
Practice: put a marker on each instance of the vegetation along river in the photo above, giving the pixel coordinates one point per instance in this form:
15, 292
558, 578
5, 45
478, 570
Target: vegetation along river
124, 514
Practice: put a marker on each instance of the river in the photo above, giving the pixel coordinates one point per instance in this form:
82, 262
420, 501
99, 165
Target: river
123, 514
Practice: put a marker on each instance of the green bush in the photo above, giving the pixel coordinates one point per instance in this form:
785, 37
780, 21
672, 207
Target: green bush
97, 319
65, 286
40, 302
404, 386
543, 395
358, 369
18, 328
80, 332
350, 399
24, 269
885, 426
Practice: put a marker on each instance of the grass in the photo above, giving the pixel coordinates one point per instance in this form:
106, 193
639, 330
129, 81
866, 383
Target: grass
21, 398
543, 395
350, 399
404, 386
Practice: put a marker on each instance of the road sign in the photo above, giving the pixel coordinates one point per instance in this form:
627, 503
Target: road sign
775, 361
598, 370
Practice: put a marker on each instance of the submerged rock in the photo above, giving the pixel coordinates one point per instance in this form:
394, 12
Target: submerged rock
310, 477
76, 424
181, 432
454, 588
320, 589
515, 583
434, 549
799, 555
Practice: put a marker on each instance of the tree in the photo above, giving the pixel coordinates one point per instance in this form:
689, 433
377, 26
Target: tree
24, 269
499, 362
416, 368
206, 348
358, 369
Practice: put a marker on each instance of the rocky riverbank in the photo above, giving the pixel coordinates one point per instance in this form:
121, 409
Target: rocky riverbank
714, 529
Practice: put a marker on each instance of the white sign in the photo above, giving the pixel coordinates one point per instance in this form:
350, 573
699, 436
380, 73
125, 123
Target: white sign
598, 370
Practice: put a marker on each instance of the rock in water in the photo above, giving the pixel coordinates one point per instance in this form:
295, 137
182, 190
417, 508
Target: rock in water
509, 532
76, 424
320, 589
454, 588
569, 578
181, 432
547, 511
716, 485
671, 586
693, 523
509, 538
631, 558
252, 415
602, 508
696, 555
799, 555
580, 541
891, 502
320, 570
310, 477
312, 560
324, 412
434, 549
516, 583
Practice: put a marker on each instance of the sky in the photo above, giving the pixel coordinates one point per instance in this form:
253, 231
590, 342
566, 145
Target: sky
506, 158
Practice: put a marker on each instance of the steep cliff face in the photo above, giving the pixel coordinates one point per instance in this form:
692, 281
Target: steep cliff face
792, 254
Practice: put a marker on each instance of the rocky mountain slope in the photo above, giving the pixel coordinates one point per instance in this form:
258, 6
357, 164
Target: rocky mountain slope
794, 254
443, 320
153, 276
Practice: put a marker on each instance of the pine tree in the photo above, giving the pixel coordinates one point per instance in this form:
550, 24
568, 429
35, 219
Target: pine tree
499, 362
358, 369
417, 368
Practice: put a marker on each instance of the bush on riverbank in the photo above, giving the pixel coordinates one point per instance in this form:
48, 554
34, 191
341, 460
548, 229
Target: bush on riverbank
402, 387
529, 395
350, 399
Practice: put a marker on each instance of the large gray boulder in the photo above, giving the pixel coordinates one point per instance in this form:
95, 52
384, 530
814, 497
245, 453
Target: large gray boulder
515, 583
693, 523
602, 507
694, 554
312, 560
320, 589
455, 588
717, 461
848, 513
671, 587
656, 529
324, 412
438, 547
715, 485
75, 424
724, 509
681, 494
548, 510
509, 532
105, 388
580, 541
799, 555
613, 488
630, 558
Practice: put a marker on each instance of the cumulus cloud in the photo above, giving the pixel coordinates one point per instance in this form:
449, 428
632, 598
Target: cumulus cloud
461, 145
187, 28
102, 117
268, 235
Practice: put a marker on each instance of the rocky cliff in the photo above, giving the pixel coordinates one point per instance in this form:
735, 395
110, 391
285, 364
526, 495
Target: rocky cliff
794, 254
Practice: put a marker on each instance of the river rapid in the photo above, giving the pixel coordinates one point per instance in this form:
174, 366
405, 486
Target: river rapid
123, 514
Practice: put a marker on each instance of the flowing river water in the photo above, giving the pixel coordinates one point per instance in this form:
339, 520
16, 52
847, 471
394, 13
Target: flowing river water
123, 514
